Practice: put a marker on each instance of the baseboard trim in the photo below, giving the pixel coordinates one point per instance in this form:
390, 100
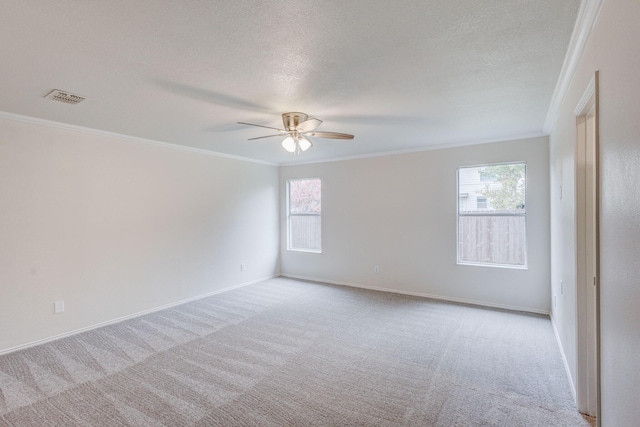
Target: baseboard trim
420, 294
131, 316
564, 360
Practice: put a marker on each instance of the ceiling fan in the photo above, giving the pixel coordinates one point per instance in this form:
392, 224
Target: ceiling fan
298, 127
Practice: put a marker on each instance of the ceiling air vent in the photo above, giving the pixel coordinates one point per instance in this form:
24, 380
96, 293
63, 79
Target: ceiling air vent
62, 96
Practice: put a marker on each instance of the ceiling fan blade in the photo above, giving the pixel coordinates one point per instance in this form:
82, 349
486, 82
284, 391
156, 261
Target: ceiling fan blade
261, 126
268, 136
308, 125
330, 135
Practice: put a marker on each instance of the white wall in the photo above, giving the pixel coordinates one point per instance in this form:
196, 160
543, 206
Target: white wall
399, 212
612, 49
115, 227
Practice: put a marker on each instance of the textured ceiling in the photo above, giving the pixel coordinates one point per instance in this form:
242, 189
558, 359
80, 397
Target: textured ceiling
398, 75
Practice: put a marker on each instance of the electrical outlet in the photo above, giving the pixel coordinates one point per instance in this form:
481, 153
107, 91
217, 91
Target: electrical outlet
241, 267
376, 269
58, 307
561, 287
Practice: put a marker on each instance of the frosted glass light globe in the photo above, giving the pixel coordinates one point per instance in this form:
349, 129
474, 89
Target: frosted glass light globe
304, 143
289, 144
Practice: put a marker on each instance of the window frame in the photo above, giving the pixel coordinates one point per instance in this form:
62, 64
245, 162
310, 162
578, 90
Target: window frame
480, 199
289, 215
524, 266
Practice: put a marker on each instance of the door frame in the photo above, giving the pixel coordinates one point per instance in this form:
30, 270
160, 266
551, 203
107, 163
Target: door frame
588, 251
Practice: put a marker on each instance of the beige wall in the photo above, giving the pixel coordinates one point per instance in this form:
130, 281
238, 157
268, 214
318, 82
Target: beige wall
399, 212
114, 227
612, 49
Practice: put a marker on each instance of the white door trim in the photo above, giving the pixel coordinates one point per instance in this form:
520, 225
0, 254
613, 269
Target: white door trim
587, 252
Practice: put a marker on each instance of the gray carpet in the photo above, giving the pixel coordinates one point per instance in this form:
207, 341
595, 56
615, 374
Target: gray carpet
292, 353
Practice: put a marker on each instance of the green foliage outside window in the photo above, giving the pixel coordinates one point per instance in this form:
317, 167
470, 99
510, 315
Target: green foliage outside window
509, 194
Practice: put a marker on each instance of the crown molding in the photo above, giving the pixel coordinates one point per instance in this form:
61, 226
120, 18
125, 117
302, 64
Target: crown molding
421, 149
90, 131
587, 16
76, 128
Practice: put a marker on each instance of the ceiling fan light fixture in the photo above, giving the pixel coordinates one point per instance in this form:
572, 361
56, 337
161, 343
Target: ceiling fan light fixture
304, 143
289, 144
296, 127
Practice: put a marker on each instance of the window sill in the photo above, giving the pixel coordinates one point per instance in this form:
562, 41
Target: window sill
506, 266
311, 251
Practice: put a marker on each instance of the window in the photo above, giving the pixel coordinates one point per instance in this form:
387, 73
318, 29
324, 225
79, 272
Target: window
304, 209
493, 230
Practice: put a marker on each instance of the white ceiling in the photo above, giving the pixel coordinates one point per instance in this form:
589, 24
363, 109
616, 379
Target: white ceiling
398, 75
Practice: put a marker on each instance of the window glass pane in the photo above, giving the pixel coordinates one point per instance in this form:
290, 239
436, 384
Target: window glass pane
305, 232
304, 219
304, 196
490, 239
491, 214
493, 188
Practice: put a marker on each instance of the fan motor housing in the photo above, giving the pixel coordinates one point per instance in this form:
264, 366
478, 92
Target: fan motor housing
292, 120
